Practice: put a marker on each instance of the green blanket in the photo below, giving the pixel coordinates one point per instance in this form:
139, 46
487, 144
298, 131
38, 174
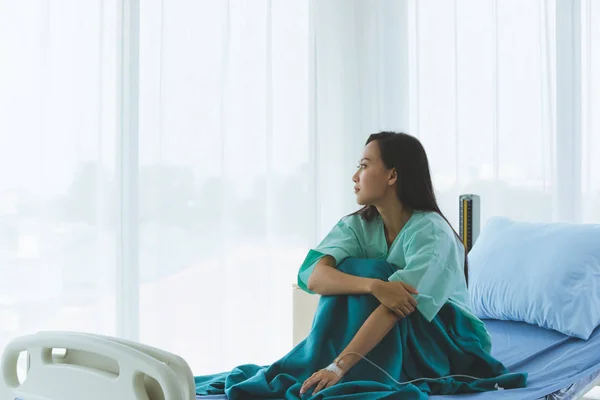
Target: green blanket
414, 348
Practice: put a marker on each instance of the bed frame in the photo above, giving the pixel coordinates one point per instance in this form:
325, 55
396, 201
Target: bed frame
75, 366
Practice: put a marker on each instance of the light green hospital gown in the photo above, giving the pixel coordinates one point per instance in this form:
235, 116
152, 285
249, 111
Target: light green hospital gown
426, 253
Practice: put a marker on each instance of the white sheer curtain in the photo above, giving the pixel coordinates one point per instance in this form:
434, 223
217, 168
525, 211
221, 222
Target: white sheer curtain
225, 175
226, 207
57, 166
359, 64
480, 81
252, 114
485, 85
590, 141
482, 96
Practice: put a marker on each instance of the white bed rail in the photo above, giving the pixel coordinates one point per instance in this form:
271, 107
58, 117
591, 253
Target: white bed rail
179, 366
94, 368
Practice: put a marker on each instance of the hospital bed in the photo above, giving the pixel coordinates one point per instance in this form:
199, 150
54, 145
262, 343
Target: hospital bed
98, 368
75, 366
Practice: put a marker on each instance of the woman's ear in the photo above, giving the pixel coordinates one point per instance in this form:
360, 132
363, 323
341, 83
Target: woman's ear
393, 177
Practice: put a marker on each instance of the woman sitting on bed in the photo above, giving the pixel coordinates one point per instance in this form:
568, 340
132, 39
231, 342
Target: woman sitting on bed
402, 224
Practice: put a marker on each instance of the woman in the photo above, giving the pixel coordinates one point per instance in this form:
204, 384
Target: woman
401, 223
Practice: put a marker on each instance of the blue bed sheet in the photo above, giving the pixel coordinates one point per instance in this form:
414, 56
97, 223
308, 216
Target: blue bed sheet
554, 361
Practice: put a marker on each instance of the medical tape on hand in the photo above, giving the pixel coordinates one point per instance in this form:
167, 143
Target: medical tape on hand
335, 369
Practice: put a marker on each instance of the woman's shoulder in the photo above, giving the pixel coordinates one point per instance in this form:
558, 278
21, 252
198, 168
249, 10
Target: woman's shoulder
425, 222
430, 230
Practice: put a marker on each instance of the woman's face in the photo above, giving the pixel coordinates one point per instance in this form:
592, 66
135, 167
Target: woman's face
372, 181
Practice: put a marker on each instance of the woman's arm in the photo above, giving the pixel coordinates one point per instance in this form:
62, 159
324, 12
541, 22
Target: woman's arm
380, 323
327, 280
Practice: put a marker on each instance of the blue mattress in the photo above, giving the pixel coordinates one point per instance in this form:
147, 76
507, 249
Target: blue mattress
554, 361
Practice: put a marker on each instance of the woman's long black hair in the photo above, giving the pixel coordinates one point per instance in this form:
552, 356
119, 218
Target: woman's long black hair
414, 187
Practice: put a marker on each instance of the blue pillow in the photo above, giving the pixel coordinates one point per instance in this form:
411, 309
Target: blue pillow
542, 274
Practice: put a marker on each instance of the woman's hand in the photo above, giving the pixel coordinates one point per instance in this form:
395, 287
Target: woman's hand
322, 378
397, 296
